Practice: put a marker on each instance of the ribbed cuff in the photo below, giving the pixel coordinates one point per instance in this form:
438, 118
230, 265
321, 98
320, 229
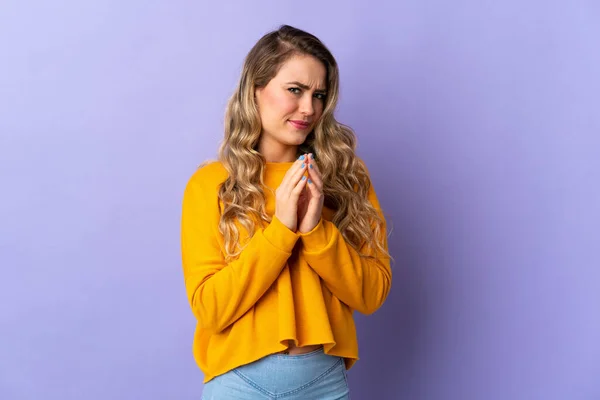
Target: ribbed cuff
280, 236
316, 240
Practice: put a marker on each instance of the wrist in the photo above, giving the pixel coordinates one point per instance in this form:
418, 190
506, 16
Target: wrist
317, 238
306, 229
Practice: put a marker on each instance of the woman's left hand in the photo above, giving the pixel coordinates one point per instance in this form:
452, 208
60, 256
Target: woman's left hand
310, 204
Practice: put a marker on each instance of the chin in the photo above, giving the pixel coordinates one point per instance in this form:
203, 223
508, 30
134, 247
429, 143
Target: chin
297, 139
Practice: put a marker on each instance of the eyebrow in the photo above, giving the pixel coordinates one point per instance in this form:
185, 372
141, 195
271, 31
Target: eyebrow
305, 87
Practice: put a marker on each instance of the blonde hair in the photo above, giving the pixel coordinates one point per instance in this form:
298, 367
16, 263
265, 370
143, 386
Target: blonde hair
346, 181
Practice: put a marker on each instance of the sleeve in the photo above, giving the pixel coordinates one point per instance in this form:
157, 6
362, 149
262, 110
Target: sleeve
361, 283
219, 293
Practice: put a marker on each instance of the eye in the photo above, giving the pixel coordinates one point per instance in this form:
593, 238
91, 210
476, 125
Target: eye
294, 90
320, 96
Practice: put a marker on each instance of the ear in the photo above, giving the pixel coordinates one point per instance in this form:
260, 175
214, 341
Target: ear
257, 94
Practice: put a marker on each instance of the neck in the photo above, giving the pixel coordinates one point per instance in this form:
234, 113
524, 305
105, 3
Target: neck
277, 153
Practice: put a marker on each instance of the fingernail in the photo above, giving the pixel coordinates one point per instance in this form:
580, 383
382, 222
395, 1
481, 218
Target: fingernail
309, 181
301, 157
311, 165
303, 178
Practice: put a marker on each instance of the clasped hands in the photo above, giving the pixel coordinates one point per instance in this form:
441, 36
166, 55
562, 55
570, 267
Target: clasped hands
299, 198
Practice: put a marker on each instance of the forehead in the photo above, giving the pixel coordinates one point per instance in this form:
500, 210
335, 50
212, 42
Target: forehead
303, 69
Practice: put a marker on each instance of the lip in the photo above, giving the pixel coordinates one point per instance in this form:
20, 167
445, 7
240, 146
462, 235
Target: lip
299, 124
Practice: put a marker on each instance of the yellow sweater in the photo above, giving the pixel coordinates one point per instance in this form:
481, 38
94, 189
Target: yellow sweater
284, 285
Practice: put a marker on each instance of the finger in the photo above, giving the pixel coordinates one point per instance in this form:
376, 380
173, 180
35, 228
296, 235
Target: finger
315, 174
294, 174
295, 178
311, 161
297, 164
315, 178
295, 194
315, 191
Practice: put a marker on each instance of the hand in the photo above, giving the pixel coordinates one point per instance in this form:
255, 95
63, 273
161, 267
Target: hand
288, 193
310, 203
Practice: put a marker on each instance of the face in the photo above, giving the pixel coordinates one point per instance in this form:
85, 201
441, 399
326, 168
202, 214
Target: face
290, 106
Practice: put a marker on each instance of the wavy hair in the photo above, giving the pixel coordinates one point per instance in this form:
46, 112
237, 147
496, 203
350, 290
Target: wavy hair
346, 181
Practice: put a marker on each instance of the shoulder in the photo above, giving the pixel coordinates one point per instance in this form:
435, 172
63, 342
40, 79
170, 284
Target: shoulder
361, 172
208, 176
210, 171
368, 182
362, 164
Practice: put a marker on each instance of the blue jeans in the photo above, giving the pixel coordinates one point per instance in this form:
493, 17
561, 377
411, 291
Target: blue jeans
313, 375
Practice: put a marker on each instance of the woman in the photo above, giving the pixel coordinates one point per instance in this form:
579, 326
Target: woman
283, 237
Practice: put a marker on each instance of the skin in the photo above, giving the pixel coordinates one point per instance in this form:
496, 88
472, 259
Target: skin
281, 101
299, 198
296, 93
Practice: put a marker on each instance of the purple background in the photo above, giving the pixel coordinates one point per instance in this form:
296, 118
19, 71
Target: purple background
479, 120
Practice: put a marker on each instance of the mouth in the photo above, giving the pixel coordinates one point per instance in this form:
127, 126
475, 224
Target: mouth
301, 125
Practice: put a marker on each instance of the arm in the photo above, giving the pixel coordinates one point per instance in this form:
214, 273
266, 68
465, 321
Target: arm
220, 293
361, 283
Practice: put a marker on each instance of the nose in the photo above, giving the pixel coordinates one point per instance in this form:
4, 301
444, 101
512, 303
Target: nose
306, 105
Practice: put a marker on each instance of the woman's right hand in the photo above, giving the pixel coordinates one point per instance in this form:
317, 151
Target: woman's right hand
288, 193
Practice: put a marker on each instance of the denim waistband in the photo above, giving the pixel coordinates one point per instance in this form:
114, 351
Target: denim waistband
313, 375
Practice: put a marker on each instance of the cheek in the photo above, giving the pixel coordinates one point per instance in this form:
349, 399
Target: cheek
281, 104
